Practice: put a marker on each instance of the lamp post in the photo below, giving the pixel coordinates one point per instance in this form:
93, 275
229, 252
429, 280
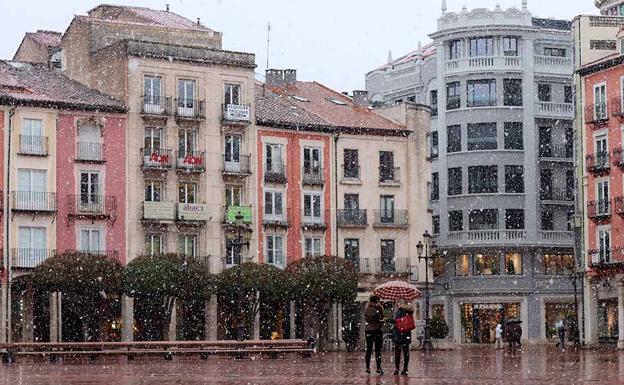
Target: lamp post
237, 258
576, 275
426, 251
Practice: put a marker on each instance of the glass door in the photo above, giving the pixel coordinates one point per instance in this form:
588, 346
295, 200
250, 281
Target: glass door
90, 200
186, 97
151, 99
232, 153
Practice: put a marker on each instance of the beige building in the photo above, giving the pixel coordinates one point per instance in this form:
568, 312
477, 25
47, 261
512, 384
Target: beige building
40, 47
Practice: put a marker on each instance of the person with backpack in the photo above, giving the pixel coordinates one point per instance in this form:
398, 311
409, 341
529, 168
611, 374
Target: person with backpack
402, 334
374, 317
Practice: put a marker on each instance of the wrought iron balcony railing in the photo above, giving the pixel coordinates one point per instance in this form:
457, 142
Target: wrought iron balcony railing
91, 206
236, 165
190, 108
90, 152
36, 145
155, 105
34, 201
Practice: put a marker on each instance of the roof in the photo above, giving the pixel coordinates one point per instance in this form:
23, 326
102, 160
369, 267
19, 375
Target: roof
562, 25
37, 85
131, 15
423, 53
311, 105
50, 39
610, 61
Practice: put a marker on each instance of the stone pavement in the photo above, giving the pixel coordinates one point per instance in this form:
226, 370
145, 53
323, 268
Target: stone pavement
466, 366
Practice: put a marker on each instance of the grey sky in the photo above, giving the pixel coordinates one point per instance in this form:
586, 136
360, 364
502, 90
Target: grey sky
331, 41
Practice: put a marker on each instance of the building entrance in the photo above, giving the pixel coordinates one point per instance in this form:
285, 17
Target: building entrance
479, 320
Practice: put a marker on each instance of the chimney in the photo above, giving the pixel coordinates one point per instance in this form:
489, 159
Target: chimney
274, 78
360, 98
290, 77
167, 7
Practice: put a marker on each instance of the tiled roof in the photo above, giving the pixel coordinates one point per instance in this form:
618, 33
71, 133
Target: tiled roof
37, 85
143, 16
50, 39
309, 104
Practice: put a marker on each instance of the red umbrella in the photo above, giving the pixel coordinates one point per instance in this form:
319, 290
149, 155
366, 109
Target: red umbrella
394, 290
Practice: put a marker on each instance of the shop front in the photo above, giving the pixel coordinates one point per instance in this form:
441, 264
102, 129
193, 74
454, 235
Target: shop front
479, 320
555, 311
608, 320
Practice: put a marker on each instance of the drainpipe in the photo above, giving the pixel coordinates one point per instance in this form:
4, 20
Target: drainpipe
6, 230
338, 321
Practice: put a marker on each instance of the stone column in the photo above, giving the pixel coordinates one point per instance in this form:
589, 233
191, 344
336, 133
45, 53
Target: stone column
256, 324
28, 318
293, 321
3, 312
591, 313
211, 318
127, 319
331, 326
173, 322
339, 325
620, 294
54, 326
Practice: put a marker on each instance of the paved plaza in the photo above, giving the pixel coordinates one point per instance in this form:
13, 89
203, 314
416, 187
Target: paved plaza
467, 366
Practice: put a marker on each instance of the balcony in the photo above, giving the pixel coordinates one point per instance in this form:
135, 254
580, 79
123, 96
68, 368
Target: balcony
155, 106
91, 206
352, 218
389, 176
191, 161
113, 254
34, 201
236, 165
618, 205
391, 218
553, 65
556, 238
598, 163
87, 152
158, 211
192, 212
385, 266
550, 110
484, 237
231, 212
606, 258
30, 258
156, 159
278, 220
351, 174
275, 173
33, 145
312, 176
190, 109
618, 159
596, 115
599, 210
557, 196
491, 63
556, 153
617, 110
309, 221
236, 114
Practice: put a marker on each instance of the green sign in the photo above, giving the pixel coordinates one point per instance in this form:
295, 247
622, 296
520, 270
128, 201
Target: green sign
233, 211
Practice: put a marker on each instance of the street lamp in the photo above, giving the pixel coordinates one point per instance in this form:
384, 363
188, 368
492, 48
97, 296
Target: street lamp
576, 275
427, 252
237, 244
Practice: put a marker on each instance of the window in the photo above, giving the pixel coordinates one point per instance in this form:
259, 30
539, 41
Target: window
187, 192
90, 200
510, 46
386, 206
273, 204
275, 250
558, 52
546, 184
231, 152
548, 220
311, 161
602, 188
482, 179
351, 164
481, 93
557, 264
32, 140
433, 98
312, 246
603, 45
187, 245
233, 195
387, 256
435, 186
352, 251
513, 136
312, 207
32, 245
600, 102
484, 219
153, 191
435, 221
186, 97
482, 136
351, 202
570, 185
481, 46
187, 140
455, 181
512, 92
604, 245
514, 219
454, 139
568, 94
152, 94
513, 264
232, 252
434, 145
544, 92
232, 94
453, 96
545, 142
31, 189
153, 138
569, 142
456, 221
486, 264
91, 240
386, 166
274, 162
462, 265
621, 45
154, 244
514, 179
454, 47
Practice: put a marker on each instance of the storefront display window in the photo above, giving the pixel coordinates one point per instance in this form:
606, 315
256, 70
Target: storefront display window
461, 265
513, 264
479, 320
486, 264
437, 310
608, 320
557, 264
556, 311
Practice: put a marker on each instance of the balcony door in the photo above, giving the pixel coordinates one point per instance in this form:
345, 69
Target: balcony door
31, 189
153, 191
386, 208
546, 184
152, 103
187, 192
352, 251
274, 158
233, 195
186, 97
32, 139
232, 94
602, 151
90, 143
312, 208
311, 161
232, 253
232, 153
386, 166
545, 142
91, 240
602, 193
153, 140
90, 200
273, 206
32, 246
604, 246
387, 256
187, 140
187, 245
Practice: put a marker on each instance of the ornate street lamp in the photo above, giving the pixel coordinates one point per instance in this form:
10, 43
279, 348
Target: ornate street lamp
576, 275
427, 251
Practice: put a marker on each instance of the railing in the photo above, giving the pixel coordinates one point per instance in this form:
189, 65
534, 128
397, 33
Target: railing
155, 105
616, 107
159, 211
352, 218
618, 205
556, 237
483, 63
282, 219
556, 151
605, 256
553, 64
313, 176
156, 159
33, 145
618, 159
350, 174
313, 221
90, 152
274, 173
453, 102
599, 209
487, 236
557, 194
238, 165
597, 163
236, 113
91, 205
555, 110
391, 218
385, 265
29, 258
113, 254
192, 161
34, 201
596, 114
390, 175
190, 108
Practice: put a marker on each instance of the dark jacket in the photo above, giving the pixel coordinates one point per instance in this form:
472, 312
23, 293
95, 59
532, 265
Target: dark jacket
402, 338
374, 317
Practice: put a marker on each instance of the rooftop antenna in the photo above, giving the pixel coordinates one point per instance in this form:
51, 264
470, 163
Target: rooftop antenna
268, 43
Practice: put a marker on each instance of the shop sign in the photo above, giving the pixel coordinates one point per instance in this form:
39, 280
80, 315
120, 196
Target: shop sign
158, 210
488, 306
192, 212
237, 112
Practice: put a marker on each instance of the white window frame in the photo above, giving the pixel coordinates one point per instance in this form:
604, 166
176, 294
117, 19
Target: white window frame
149, 241
28, 197
231, 188
312, 246
153, 183
312, 218
185, 237
315, 169
186, 183
30, 256
603, 191
605, 114
272, 216
274, 163
94, 201
232, 85
233, 164
270, 253
90, 230
603, 244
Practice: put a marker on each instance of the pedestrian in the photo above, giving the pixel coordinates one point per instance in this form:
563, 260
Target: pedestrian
402, 334
241, 329
560, 326
374, 317
499, 336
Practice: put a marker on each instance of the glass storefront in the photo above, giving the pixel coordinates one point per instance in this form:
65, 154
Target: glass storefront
554, 312
608, 319
479, 320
